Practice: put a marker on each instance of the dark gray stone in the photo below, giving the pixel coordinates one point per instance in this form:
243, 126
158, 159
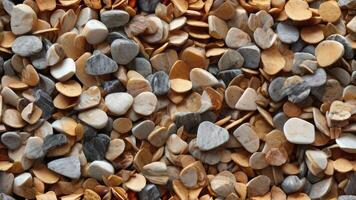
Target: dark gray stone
275, 89
160, 83
230, 59
348, 50
287, 33
46, 84
293, 184
116, 35
251, 55
11, 140
279, 120
141, 65
68, 167
350, 188
112, 86
114, 18
27, 45
341, 75
100, 64
53, 141
6, 182
8, 69
95, 148
147, 5
328, 92
149, 192
4, 196
309, 49
317, 79
124, 51
298, 46
228, 75
190, 121
39, 60
44, 102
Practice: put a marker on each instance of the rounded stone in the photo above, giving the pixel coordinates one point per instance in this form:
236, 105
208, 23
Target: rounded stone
251, 55
94, 117
119, 103
287, 33
23, 19
145, 103
124, 51
299, 131
100, 168
114, 18
95, 31
27, 45
11, 140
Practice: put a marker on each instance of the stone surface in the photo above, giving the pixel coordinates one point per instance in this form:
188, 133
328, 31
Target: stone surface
258, 186
100, 64
149, 192
160, 83
251, 55
237, 38
68, 167
27, 45
202, 78
287, 33
292, 184
210, 136
114, 18
124, 51
247, 101
63, 70
298, 131
147, 5
35, 149
119, 103
11, 140
96, 147
247, 137
97, 169
23, 19
94, 117
95, 31
230, 59
141, 65
145, 103
53, 141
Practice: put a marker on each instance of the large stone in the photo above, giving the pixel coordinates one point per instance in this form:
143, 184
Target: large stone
114, 18
27, 45
124, 51
100, 64
210, 136
68, 167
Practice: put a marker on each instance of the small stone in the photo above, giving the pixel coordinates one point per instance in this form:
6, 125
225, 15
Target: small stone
329, 92
149, 192
346, 197
347, 142
247, 101
237, 38
115, 149
23, 184
89, 98
112, 86
247, 137
55, 54
298, 10
53, 141
296, 89
44, 102
95, 31
350, 187
114, 18
230, 59
273, 61
176, 145
321, 188
349, 93
223, 183
27, 45
258, 161
63, 70
34, 148
287, 33
252, 56
264, 38
23, 19
119, 103
299, 131
11, 140
317, 79
12, 118
217, 27
349, 53
143, 129
228, 75
298, 59
330, 11
96, 147
258, 186
145, 103
147, 5
341, 75
328, 52
65, 125
210, 136
279, 120
141, 65
136, 183
316, 161
98, 169
94, 117
6, 182
124, 51
100, 64
202, 78
292, 184
160, 83
46, 84
276, 156
68, 167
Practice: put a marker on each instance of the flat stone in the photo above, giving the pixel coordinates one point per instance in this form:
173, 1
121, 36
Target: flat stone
39, 60
27, 45
100, 64
145, 103
141, 65
279, 120
89, 98
44, 102
53, 141
119, 103
237, 38
149, 192
230, 59
97, 169
296, 89
114, 18
23, 19
287, 33
160, 83
11, 140
210, 136
55, 54
223, 183
115, 149
202, 78
251, 55
349, 93
94, 117
299, 58
347, 142
22, 186
346, 197
323, 55
124, 51
317, 79
247, 137
349, 53
316, 161
68, 167
321, 188
34, 148
258, 161
328, 92
264, 38
96, 147
95, 31
217, 27
6, 182
292, 184
247, 101
63, 70
341, 75
46, 84
350, 187
147, 5
258, 186
228, 75
112, 86
143, 129
299, 131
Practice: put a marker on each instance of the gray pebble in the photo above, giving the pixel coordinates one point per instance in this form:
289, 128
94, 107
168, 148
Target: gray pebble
279, 120
321, 188
190, 121
33, 149
98, 169
27, 45
124, 51
348, 50
317, 79
228, 75
39, 60
298, 92
341, 75
329, 92
114, 18
100, 64
351, 4
116, 35
8, 69
6, 182
141, 65
275, 89
143, 129
350, 188
353, 78
4, 196
160, 83
112, 86
298, 46
149, 192
147, 5
230, 59
11, 140
293, 184
210, 136
346, 197
96, 148
287, 33
251, 55
8, 6
299, 58
309, 49
46, 84
54, 141
68, 167
44, 101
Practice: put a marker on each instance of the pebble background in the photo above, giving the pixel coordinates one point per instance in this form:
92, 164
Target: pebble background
178, 99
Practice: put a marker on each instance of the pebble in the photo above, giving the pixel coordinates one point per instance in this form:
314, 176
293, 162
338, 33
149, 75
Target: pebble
247, 137
251, 55
258, 186
23, 19
94, 117
264, 38
237, 38
316, 161
6, 182
349, 53
149, 192
98, 169
136, 183
145, 103
230, 59
44, 102
34, 148
329, 92
67, 166
13, 118
55, 54
96, 147
217, 27
228, 75
65, 125
247, 101
115, 149
27, 45
341, 75
114, 18
292, 184
299, 131
95, 31
160, 83
124, 51
223, 183
11, 140
347, 142
349, 93
100, 64
53, 141
321, 188
287, 33
210, 136
89, 98
147, 5
63, 70
23, 182
119, 103
141, 65
143, 129
323, 52
202, 78
349, 188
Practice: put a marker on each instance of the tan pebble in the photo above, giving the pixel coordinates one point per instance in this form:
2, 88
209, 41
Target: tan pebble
291, 109
158, 136
50, 195
258, 186
63, 102
258, 160
236, 38
276, 156
55, 54
30, 76
91, 195
136, 86
298, 196
178, 37
179, 70
145, 103
115, 149
176, 145
223, 183
12, 118
339, 111
89, 98
328, 52
298, 10
202, 78
312, 34
31, 113
45, 175
180, 85
247, 101
73, 44
94, 117
69, 88
272, 60
232, 95
182, 6
241, 157
195, 57
342, 165
65, 125
329, 11
217, 27
122, 125
136, 183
